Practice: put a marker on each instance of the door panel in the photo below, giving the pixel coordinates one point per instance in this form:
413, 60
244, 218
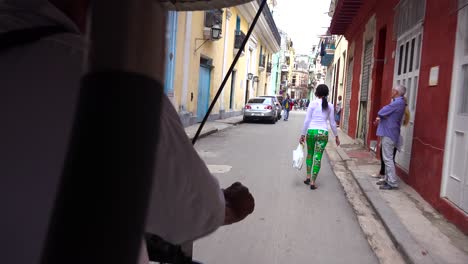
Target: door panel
171, 38
203, 92
407, 74
456, 167
366, 75
457, 185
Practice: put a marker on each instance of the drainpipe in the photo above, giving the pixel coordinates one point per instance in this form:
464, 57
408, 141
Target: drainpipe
186, 68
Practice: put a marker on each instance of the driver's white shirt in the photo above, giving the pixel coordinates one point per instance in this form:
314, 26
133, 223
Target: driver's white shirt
39, 88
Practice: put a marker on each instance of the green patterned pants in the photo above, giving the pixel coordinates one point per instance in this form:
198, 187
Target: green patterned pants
317, 140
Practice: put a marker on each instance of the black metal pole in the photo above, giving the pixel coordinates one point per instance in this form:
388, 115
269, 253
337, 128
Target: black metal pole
228, 74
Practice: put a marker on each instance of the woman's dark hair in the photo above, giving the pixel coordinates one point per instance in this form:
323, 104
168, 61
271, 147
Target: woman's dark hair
322, 91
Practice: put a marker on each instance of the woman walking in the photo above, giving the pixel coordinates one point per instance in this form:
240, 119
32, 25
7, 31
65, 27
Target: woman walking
315, 132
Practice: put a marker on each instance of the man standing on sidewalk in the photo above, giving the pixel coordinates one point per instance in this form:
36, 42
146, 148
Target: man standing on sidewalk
389, 122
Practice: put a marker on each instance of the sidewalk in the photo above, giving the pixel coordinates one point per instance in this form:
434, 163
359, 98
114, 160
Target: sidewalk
213, 126
418, 231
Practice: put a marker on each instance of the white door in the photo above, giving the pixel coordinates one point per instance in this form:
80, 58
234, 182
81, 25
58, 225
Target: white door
406, 72
456, 155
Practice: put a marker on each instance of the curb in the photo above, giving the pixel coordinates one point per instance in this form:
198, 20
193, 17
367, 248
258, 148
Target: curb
344, 157
401, 237
205, 134
404, 242
231, 123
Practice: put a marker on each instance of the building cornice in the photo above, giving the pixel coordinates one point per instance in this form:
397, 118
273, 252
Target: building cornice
262, 30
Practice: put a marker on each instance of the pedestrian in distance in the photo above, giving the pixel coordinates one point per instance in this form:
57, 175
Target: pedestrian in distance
287, 106
315, 132
389, 121
338, 108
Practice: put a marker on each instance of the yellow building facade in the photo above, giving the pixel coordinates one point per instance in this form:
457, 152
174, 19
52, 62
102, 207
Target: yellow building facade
339, 67
202, 60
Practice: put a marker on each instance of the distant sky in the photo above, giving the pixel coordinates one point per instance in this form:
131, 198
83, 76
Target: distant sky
303, 20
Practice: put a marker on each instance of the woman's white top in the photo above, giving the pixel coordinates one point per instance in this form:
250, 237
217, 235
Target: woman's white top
317, 119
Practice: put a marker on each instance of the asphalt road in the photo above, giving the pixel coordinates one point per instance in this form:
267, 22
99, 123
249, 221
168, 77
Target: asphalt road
291, 223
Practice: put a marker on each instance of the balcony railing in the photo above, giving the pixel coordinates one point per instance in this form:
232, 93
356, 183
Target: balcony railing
271, 22
239, 38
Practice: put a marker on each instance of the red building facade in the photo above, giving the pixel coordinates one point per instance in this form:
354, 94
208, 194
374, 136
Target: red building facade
409, 42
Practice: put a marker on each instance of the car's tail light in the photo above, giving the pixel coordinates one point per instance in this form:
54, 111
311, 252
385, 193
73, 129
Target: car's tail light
248, 107
268, 107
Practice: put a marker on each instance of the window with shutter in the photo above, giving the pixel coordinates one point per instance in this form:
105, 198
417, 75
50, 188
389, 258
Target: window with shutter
213, 17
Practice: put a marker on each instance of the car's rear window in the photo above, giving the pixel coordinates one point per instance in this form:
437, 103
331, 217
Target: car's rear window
260, 101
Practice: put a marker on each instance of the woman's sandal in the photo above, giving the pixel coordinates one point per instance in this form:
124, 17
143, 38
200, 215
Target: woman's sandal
307, 181
313, 187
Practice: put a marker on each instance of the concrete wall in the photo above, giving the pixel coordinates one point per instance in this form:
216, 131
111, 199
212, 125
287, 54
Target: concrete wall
275, 78
178, 78
240, 68
341, 47
264, 78
212, 50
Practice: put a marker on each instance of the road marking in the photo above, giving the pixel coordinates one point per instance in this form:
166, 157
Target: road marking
219, 168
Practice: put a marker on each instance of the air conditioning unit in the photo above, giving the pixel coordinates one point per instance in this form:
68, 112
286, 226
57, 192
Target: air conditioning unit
207, 33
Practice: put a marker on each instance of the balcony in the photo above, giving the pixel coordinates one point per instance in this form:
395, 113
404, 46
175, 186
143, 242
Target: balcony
284, 68
269, 66
271, 22
327, 59
261, 63
238, 39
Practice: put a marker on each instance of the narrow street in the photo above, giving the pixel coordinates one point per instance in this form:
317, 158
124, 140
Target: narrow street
291, 223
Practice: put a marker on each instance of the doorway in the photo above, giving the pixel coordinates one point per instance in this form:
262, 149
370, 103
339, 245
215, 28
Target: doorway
233, 89
364, 97
171, 40
377, 91
204, 82
406, 73
455, 182
337, 81
247, 88
347, 95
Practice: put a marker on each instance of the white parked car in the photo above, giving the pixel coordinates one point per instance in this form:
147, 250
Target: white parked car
261, 108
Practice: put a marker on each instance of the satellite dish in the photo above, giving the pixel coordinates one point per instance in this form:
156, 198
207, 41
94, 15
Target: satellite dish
193, 5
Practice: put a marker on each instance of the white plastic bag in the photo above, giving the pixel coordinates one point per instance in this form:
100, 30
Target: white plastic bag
298, 157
